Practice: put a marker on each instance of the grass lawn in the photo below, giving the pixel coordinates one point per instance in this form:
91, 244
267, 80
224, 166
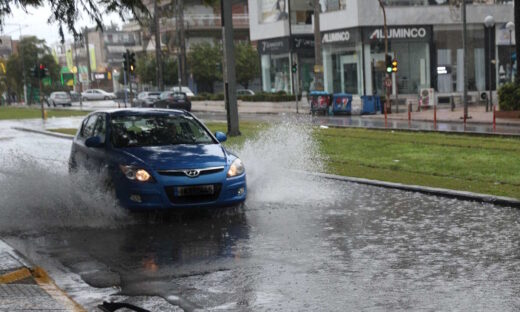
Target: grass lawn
488, 165
8, 112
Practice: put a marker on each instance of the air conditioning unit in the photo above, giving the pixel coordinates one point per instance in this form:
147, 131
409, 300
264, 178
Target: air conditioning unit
427, 97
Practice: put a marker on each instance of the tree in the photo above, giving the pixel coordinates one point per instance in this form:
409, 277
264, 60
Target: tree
34, 52
205, 61
146, 70
66, 12
247, 63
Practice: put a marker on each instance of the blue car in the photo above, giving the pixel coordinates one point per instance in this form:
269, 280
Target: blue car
158, 159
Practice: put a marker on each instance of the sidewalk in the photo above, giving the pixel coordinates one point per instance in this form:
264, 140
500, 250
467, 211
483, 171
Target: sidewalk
477, 114
27, 288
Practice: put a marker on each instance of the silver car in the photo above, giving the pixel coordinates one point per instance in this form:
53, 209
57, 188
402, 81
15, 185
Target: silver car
97, 94
59, 98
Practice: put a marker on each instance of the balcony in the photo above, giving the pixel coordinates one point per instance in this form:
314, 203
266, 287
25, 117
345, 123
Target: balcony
207, 21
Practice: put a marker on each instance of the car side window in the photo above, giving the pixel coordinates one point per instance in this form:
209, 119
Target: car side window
100, 127
88, 127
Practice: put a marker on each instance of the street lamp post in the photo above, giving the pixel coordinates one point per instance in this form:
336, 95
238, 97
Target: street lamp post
510, 26
489, 22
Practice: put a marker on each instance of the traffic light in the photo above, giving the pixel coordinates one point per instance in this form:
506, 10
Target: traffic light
394, 66
132, 62
44, 71
294, 68
388, 62
125, 61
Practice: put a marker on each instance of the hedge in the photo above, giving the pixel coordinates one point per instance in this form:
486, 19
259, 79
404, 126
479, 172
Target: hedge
509, 97
260, 97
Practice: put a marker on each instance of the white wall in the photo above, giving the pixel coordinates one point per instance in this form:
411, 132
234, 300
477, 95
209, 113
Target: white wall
258, 31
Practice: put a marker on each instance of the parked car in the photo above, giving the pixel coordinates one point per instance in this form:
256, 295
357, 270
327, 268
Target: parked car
97, 94
184, 89
59, 98
146, 99
158, 159
175, 100
245, 92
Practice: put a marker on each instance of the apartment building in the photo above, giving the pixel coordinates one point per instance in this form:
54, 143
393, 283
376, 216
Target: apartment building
425, 36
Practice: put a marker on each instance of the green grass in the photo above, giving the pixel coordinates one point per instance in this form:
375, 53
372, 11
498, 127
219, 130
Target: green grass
479, 164
35, 112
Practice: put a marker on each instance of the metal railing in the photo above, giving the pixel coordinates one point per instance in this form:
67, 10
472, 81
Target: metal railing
445, 2
205, 21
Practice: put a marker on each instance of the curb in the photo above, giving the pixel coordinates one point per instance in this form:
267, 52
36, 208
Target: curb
474, 133
45, 132
462, 195
20, 281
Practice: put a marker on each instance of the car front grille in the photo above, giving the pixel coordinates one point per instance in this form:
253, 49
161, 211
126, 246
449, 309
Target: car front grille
192, 199
182, 172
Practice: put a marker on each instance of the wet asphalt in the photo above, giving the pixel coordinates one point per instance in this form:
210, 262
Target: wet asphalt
344, 247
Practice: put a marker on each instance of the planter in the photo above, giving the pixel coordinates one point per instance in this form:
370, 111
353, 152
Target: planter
508, 114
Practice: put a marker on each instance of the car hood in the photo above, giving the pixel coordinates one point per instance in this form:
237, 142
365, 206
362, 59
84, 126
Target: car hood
182, 156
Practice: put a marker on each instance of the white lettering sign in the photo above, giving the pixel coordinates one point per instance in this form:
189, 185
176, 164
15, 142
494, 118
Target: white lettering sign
336, 37
400, 33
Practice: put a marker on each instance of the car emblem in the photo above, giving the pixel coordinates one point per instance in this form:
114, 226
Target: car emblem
192, 173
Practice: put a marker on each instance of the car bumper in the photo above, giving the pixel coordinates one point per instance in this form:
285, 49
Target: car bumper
136, 196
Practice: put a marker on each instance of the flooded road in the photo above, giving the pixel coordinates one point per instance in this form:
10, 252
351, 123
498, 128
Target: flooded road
299, 244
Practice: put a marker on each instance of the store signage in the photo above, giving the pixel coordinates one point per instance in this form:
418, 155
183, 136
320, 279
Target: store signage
273, 46
99, 76
338, 36
404, 33
303, 42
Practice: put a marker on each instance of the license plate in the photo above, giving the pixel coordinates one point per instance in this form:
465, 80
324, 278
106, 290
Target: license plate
195, 190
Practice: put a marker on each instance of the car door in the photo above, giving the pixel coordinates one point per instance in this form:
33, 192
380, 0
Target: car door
97, 155
79, 157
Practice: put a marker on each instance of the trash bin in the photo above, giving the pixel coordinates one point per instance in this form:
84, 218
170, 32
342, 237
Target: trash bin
320, 101
342, 103
371, 104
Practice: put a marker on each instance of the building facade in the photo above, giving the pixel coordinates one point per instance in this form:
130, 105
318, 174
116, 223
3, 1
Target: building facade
424, 36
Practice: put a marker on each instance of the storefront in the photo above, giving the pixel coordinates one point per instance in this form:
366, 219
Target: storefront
410, 46
278, 55
343, 61
506, 60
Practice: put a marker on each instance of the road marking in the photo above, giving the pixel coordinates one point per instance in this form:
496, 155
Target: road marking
14, 276
47, 284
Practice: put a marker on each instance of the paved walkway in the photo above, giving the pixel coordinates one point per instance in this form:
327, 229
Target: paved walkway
23, 288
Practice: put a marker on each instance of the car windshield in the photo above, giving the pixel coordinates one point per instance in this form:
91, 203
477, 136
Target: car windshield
157, 130
61, 95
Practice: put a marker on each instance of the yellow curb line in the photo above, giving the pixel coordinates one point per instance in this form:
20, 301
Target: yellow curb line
14, 276
47, 284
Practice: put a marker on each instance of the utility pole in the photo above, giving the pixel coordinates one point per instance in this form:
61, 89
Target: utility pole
318, 66
158, 56
77, 75
292, 61
387, 88
182, 41
465, 63
230, 94
88, 58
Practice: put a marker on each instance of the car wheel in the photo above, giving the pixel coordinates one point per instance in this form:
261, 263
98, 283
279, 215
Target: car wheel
106, 98
53, 104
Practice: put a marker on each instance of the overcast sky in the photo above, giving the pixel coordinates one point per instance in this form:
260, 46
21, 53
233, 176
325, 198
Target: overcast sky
34, 22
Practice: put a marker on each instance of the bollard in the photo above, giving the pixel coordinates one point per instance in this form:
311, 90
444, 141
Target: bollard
494, 119
435, 117
409, 115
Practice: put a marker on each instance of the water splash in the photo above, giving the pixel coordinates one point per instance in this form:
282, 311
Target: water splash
41, 196
276, 160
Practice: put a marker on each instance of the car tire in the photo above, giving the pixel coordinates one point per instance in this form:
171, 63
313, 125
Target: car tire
106, 98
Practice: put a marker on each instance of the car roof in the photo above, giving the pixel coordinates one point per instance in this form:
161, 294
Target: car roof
140, 111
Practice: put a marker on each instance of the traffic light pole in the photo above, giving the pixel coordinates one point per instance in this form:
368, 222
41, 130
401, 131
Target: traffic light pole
385, 29
41, 91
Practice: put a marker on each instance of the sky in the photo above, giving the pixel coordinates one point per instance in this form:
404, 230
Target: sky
34, 22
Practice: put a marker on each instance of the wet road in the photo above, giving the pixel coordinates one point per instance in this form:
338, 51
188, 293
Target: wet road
298, 244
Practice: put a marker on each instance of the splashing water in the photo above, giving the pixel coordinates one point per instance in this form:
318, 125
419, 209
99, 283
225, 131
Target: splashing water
276, 160
35, 196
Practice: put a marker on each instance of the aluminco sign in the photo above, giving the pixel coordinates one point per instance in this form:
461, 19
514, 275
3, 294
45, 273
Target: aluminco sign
400, 33
336, 36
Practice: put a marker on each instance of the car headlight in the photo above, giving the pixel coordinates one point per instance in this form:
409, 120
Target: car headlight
236, 168
133, 173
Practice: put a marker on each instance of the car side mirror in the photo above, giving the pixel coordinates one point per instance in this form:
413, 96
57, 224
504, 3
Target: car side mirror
94, 141
221, 137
